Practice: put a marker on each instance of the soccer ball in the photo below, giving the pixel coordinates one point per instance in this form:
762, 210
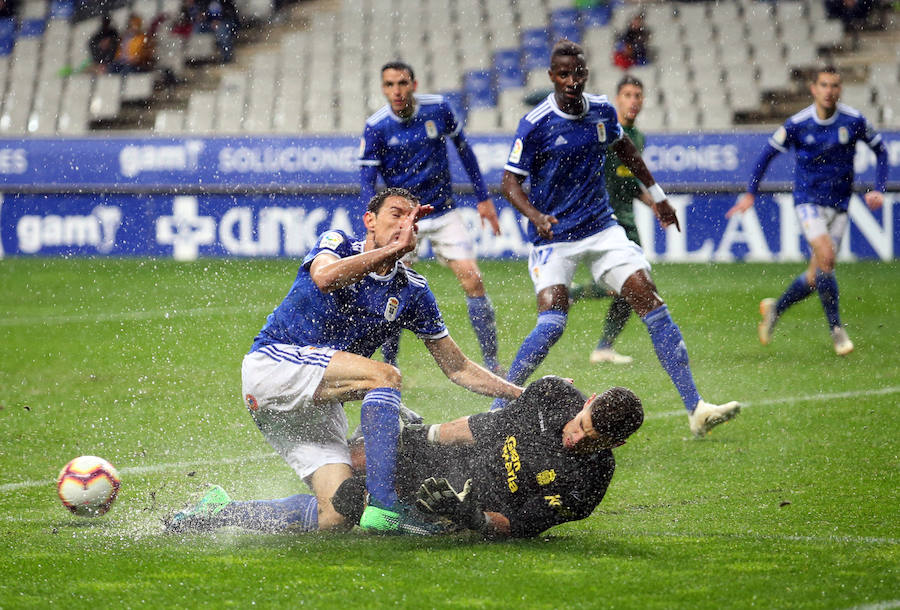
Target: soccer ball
88, 485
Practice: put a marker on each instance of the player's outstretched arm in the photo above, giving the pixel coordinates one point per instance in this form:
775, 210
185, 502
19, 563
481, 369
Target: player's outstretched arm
515, 194
332, 272
437, 497
744, 203
464, 372
631, 158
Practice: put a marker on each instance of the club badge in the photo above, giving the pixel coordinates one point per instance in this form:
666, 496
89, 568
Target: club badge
391, 309
431, 129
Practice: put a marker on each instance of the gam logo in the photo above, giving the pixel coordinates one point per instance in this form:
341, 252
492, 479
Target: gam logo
98, 229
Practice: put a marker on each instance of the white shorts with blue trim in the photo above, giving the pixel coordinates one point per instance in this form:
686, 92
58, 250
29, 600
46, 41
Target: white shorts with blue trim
611, 257
817, 220
450, 238
278, 385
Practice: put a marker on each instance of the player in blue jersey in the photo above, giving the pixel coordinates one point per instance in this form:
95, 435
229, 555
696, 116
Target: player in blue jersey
314, 352
405, 142
824, 137
560, 147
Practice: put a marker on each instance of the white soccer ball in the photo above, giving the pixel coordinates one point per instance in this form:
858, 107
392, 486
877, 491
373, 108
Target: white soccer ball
88, 485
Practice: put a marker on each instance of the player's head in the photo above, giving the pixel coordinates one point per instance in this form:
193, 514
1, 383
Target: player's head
568, 72
629, 99
605, 421
826, 88
385, 212
398, 83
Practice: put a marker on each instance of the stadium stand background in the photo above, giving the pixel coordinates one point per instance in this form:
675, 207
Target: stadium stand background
312, 67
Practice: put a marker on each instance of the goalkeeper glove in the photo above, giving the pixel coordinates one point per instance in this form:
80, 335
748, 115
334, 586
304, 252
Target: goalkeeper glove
437, 496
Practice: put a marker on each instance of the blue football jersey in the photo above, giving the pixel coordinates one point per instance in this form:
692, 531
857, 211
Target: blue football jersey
563, 154
825, 151
357, 318
412, 153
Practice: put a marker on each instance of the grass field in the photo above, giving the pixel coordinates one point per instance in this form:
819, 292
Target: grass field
793, 504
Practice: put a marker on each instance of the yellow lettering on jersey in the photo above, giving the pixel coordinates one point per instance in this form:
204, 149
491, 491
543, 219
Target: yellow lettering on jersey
511, 459
554, 501
545, 477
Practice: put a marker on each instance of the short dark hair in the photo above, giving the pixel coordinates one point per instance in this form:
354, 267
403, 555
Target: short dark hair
565, 48
399, 65
628, 79
617, 413
826, 69
378, 200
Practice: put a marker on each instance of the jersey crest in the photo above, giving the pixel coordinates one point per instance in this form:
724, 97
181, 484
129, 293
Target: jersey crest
843, 135
545, 477
391, 309
601, 132
431, 129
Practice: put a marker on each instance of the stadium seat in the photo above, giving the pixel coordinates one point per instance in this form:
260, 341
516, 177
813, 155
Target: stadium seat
564, 23
482, 120
45, 109
479, 89
62, 9
828, 34
32, 27
169, 122
73, 110
599, 15
230, 100
653, 119
201, 112
287, 113
774, 75
137, 86
858, 95
199, 47
511, 106
107, 98
508, 68
535, 49
7, 36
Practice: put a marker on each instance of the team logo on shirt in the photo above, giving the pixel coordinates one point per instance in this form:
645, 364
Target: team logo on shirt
431, 129
560, 141
362, 146
391, 309
601, 132
843, 135
252, 403
331, 240
545, 477
516, 153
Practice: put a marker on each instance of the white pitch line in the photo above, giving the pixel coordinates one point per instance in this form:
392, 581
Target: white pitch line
150, 468
5, 487
793, 399
780, 537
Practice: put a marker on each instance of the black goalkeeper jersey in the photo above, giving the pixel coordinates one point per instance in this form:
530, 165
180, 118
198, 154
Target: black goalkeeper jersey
518, 464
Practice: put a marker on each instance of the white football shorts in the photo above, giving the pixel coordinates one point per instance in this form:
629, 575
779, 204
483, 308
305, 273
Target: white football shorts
817, 220
278, 383
449, 237
609, 254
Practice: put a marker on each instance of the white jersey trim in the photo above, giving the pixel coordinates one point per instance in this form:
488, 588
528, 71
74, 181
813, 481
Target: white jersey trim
379, 115
516, 170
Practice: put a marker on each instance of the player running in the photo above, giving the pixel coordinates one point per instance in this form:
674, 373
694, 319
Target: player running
560, 146
405, 142
824, 137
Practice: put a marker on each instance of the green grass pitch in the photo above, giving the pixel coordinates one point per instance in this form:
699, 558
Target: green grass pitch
793, 504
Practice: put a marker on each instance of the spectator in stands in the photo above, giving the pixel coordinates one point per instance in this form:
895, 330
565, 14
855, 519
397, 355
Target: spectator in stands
222, 20
190, 15
853, 13
7, 9
103, 46
135, 50
632, 44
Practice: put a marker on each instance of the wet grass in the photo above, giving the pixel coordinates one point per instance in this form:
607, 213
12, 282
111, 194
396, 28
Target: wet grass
794, 504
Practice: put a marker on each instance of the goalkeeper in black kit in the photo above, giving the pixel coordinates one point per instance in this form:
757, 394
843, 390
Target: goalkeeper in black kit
544, 459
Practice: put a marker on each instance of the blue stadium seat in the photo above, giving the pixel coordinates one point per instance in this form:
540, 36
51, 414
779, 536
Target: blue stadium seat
508, 68
62, 9
535, 49
596, 16
478, 88
7, 36
565, 23
32, 28
457, 103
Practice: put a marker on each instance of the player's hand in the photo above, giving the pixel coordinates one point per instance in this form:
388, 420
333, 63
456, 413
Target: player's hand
874, 199
406, 238
744, 203
544, 225
422, 211
437, 496
488, 212
666, 214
